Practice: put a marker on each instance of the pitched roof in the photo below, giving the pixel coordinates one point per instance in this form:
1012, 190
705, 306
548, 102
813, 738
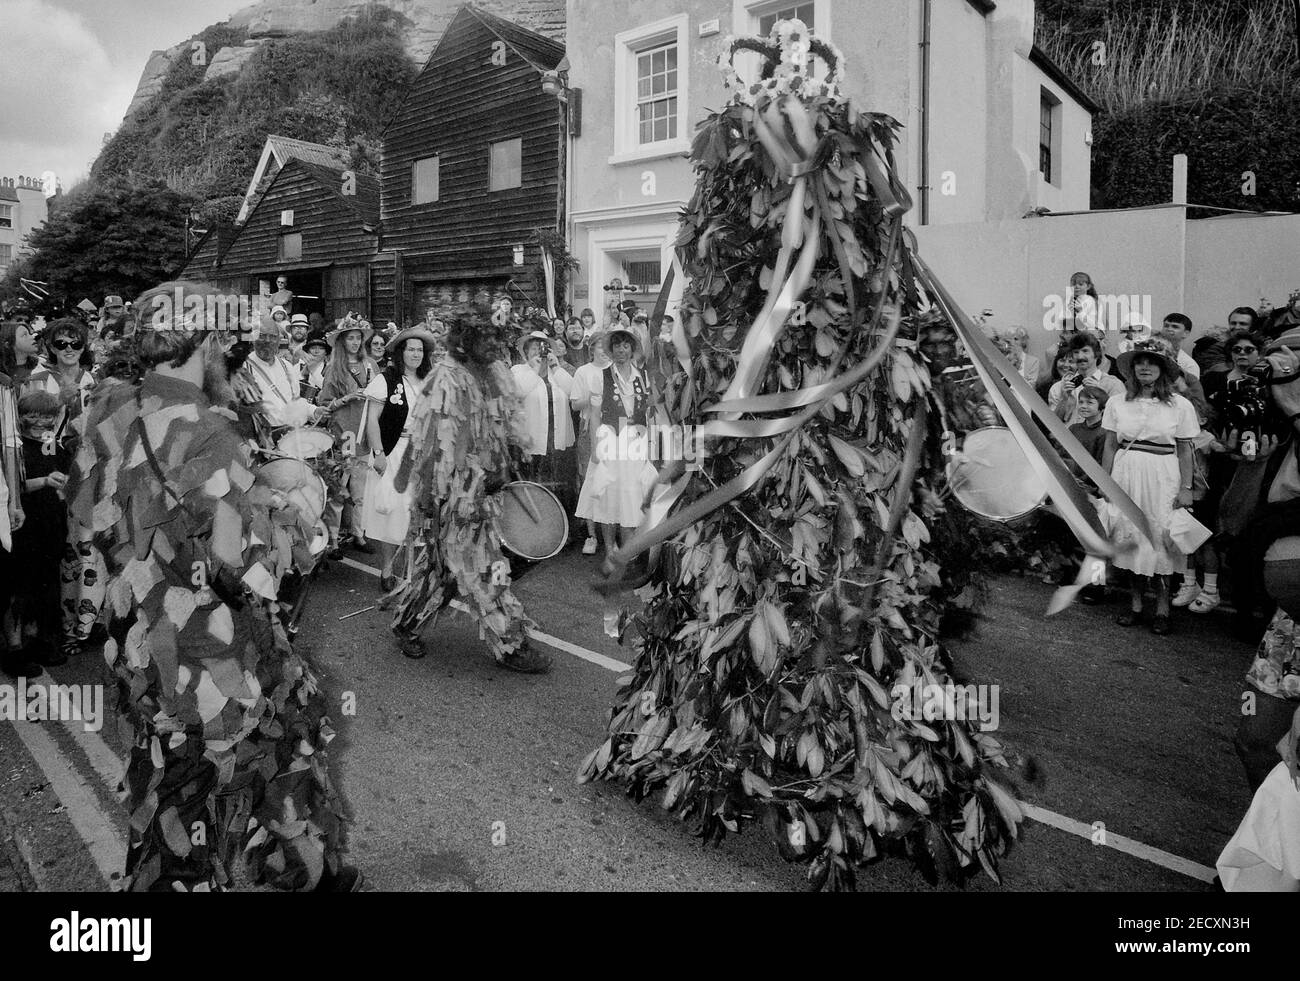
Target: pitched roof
536, 49
1053, 71
365, 203
286, 148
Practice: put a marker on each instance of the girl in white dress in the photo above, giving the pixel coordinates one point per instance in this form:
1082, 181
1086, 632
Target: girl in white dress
1148, 451
620, 473
391, 399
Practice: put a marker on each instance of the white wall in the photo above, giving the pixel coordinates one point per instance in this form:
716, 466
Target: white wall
1201, 268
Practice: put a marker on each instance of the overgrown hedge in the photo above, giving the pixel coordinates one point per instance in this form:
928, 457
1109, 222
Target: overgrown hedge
1255, 131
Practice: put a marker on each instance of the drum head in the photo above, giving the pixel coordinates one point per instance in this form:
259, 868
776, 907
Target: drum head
305, 444
992, 477
532, 524
300, 485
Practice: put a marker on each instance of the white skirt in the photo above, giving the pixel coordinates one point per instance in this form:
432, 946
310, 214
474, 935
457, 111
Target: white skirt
614, 487
386, 514
1152, 481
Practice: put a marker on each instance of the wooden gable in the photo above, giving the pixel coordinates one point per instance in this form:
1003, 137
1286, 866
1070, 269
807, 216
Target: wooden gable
481, 85
337, 228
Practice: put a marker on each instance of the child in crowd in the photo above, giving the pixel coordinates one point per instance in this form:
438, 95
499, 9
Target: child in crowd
40, 540
1092, 403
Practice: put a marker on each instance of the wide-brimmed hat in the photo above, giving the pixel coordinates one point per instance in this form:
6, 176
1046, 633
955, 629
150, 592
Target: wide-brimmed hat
620, 331
1153, 347
299, 319
316, 339
421, 334
113, 301
538, 335
345, 326
279, 309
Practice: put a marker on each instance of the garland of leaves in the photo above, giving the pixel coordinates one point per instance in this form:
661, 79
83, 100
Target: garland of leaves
781, 624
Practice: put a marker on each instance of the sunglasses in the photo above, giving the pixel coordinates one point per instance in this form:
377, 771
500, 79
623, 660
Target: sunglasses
66, 345
1240, 349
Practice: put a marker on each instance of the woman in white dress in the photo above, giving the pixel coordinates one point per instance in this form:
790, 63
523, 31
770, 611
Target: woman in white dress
1148, 451
620, 473
391, 398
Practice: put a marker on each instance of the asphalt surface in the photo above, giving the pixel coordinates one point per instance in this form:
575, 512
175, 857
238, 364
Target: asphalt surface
460, 776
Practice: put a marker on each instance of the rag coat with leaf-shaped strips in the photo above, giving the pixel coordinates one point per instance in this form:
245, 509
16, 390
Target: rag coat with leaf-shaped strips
460, 447
228, 725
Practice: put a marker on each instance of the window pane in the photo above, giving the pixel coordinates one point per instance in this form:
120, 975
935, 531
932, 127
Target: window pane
765, 23
672, 57
672, 81
505, 165
658, 86
647, 131
291, 246
642, 88
424, 181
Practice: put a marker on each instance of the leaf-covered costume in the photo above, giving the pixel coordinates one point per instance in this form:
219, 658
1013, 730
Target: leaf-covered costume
461, 441
797, 601
228, 724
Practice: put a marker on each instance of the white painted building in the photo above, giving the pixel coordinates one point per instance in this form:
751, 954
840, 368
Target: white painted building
992, 130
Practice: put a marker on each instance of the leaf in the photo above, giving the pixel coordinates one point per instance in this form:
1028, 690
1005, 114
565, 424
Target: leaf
754, 785
1007, 805
849, 455
761, 647
877, 651
178, 842
776, 623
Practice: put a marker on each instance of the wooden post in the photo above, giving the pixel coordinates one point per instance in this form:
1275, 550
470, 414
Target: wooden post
1180, 178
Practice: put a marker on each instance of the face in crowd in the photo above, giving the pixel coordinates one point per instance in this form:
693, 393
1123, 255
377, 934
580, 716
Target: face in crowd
574, 332
1240, 321
299, 333
315, 354
352, 343
377, 346
1147, 369
67, 348
412, 354
38, 425
25, 345
1084, 361
281, 283
620, 350
1244, 353
267, 345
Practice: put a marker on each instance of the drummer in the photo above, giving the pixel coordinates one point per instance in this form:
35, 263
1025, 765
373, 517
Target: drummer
270, 382
342, 393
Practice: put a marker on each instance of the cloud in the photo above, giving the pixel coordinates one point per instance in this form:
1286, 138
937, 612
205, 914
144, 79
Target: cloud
61, 92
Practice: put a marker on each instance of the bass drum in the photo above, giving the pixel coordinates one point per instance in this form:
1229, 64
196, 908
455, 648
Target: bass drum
305, 444
991, 476
532, 524
299, 484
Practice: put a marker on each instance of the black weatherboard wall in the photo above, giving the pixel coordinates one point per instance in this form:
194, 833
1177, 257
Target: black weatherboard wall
463, 101
339, 237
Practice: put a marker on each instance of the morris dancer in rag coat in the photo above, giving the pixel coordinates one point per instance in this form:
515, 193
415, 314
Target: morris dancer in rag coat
228, 724
459, 459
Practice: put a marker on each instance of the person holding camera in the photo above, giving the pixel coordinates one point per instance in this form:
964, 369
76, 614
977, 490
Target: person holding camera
1085, 356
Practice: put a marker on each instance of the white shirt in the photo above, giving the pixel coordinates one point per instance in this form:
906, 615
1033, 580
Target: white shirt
1098, 378
1189, 366
276, 383
536, 411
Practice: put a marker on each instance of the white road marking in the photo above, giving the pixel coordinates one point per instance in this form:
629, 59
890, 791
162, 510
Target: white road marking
1120, 843
608, 663
110, 767
96, 828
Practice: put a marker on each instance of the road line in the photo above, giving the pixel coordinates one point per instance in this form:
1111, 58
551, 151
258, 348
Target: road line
107, 764
1129, 846
96, 828
1121, 843
609, 663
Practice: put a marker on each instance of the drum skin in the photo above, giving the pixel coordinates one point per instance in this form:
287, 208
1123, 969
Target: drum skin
300, 485
305, 444
535, 536
992, 477
1282, 574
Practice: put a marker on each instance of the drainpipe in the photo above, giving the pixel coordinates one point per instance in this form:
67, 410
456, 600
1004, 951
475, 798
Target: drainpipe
924, 188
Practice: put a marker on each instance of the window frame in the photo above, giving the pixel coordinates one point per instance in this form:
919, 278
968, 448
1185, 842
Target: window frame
6, 253
492, 145
628, 46
284, 257
7, 215
437, 180
766, 8
746, 14
1049, 101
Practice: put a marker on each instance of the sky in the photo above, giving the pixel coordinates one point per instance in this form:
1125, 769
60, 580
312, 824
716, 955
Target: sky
68, 69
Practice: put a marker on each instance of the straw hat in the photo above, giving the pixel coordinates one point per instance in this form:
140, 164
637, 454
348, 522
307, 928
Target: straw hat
538, 335
619, 331
1153, 347
344, 326
420, 333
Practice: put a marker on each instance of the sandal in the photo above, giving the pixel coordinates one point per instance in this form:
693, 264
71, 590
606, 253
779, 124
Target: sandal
1160, 624
527, 660
1129, 618
1205, 602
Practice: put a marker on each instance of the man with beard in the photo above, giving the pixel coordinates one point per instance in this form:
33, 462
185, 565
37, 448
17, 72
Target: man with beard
229, 725
270, 385
459, 457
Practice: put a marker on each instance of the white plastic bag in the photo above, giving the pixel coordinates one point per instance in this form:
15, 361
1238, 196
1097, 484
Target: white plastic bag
1186, 532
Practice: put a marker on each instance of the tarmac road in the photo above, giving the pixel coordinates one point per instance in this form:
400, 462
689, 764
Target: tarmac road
459, 775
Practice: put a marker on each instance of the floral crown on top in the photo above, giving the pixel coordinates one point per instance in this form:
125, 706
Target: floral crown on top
786, 67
